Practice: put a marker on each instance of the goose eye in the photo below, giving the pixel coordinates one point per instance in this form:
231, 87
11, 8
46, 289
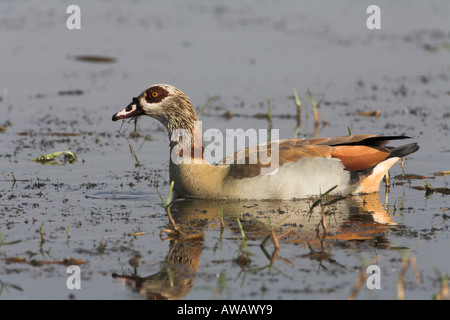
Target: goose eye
154, 94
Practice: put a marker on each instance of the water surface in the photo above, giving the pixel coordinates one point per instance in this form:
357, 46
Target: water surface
244, 55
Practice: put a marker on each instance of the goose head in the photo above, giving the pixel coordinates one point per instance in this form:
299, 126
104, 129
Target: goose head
165, 103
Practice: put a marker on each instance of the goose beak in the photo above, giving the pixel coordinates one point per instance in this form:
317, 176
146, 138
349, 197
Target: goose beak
132, 110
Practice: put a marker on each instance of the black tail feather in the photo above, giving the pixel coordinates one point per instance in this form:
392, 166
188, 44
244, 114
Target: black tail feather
376, 141
403, 151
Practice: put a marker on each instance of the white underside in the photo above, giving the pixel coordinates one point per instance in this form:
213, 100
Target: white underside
301, 179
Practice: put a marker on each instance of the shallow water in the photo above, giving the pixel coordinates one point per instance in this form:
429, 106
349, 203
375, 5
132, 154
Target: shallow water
244, 54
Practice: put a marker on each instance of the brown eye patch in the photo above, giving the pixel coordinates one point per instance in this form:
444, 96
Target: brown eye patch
155, 94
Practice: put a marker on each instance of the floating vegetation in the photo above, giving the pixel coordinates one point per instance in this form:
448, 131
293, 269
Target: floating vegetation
70, 92
375, 113
134, 234
410, 176
4, 243
444, 46
36, 263
429, 189
69, 157
95, 59
442, 173
58, 134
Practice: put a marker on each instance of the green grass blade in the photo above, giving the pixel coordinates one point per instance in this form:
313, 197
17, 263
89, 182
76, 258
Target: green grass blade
242, 235
318, 201
169, 196
269, 112
204, 107
261, 223
162, 200
281, 221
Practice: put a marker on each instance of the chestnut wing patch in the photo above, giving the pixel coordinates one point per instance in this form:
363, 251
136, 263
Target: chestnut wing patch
289, 150
357, 152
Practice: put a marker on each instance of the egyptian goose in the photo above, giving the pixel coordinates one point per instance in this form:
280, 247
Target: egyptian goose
298, 168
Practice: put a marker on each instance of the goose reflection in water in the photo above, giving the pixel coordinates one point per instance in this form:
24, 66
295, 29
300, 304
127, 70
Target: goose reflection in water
360, 217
